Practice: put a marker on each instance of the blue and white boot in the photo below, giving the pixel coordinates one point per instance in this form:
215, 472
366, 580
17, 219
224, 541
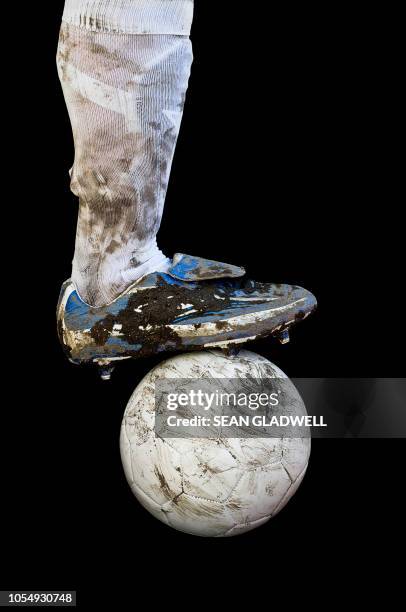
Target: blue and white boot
197, 304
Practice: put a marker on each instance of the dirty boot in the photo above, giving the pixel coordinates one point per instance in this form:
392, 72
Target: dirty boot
196, 304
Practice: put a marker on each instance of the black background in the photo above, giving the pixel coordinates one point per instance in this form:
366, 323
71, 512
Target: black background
287, 164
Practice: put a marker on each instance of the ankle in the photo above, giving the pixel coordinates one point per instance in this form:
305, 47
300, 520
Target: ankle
99, 282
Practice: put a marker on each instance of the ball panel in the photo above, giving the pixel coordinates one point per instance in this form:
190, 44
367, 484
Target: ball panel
290, 492
251, 453
295, 455
209, 471
125, 452
258, 493
155, 469
198, 516
244, 527
245, 365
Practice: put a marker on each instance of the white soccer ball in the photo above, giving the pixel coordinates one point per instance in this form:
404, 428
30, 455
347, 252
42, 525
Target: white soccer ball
203, 486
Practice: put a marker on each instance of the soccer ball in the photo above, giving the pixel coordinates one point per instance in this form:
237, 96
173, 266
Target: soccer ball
205, 486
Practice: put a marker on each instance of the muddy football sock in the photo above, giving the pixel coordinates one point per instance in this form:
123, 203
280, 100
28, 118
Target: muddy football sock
124, 67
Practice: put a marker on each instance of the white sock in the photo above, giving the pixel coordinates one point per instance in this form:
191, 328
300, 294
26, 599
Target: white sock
124, 67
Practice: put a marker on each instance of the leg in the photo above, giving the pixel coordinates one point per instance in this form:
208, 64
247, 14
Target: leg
124, 68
